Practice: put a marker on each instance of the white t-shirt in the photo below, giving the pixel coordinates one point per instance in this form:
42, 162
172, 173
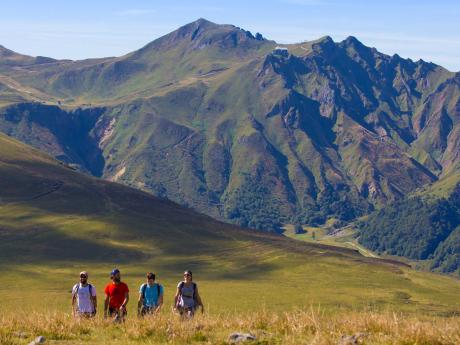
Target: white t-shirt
84, 303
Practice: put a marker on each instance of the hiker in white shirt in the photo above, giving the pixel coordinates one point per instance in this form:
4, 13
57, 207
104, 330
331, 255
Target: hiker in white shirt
84, 301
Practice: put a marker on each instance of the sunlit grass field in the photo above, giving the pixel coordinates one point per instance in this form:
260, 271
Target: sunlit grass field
310, 326
55, 222
315, 302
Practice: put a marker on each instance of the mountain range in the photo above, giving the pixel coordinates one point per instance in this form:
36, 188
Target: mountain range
241, 128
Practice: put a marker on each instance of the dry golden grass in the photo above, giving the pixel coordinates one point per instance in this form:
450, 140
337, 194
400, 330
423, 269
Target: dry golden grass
300, 327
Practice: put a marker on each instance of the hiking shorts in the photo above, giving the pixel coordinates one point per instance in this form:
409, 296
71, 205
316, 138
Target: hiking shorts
116, 312
146, 310
186, 311
86, 315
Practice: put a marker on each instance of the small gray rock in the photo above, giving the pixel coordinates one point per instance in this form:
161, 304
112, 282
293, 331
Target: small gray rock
38, 340
240, 337
352, 339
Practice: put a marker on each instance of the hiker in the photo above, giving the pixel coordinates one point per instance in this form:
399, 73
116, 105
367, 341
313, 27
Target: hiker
116, 297
187, 298
84, 301
150, 296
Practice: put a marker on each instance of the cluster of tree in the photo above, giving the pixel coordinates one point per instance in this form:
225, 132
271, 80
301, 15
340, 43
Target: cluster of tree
332, 203
447, 256
252, 206
417, 228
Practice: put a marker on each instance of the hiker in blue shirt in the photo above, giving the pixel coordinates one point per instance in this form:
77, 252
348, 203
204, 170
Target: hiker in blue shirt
150, 296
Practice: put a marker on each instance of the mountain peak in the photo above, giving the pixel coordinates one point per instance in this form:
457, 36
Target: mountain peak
203, 33
325, 40
5, 51
204, 21
352, 40
325, 43
200, 23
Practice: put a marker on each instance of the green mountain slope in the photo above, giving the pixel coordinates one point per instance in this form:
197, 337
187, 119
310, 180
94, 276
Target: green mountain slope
55, 221
215, 118
424, 226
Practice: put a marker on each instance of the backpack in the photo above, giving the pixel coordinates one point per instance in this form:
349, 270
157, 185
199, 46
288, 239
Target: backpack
144, 287
90, 289
181, 285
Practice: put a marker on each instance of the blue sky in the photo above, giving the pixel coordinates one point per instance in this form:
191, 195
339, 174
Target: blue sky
429, 30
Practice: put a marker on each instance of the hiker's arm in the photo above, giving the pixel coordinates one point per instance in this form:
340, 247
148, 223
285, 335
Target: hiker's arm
74, 300
198, 299
160, 302
140, 302
94, 302
125, 302
106, 304
176, 297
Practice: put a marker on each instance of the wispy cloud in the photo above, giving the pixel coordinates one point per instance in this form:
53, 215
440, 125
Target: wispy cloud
136, 12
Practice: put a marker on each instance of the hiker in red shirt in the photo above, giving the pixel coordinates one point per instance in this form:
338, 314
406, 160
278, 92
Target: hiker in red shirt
116, 297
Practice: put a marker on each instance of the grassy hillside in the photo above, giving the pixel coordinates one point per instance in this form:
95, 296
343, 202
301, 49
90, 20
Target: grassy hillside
55, 222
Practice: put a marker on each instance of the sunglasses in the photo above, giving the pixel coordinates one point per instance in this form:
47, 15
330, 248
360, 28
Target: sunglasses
187, 275
83, 277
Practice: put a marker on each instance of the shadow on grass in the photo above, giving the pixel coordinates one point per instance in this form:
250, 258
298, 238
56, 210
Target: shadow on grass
44, 245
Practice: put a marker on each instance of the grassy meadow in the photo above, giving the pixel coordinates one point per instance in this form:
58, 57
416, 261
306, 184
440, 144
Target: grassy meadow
55, 222
298, 327
317, 302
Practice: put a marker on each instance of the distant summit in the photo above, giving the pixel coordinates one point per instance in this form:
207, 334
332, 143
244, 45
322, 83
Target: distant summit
203, 33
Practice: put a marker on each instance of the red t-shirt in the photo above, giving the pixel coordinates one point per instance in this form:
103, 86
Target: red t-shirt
116, 292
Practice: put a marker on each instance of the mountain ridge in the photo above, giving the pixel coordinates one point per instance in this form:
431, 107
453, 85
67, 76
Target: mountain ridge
215, 118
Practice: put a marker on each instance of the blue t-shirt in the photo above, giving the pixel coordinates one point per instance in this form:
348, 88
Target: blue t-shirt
151, 294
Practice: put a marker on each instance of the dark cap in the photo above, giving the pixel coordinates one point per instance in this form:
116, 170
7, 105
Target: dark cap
114, 271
